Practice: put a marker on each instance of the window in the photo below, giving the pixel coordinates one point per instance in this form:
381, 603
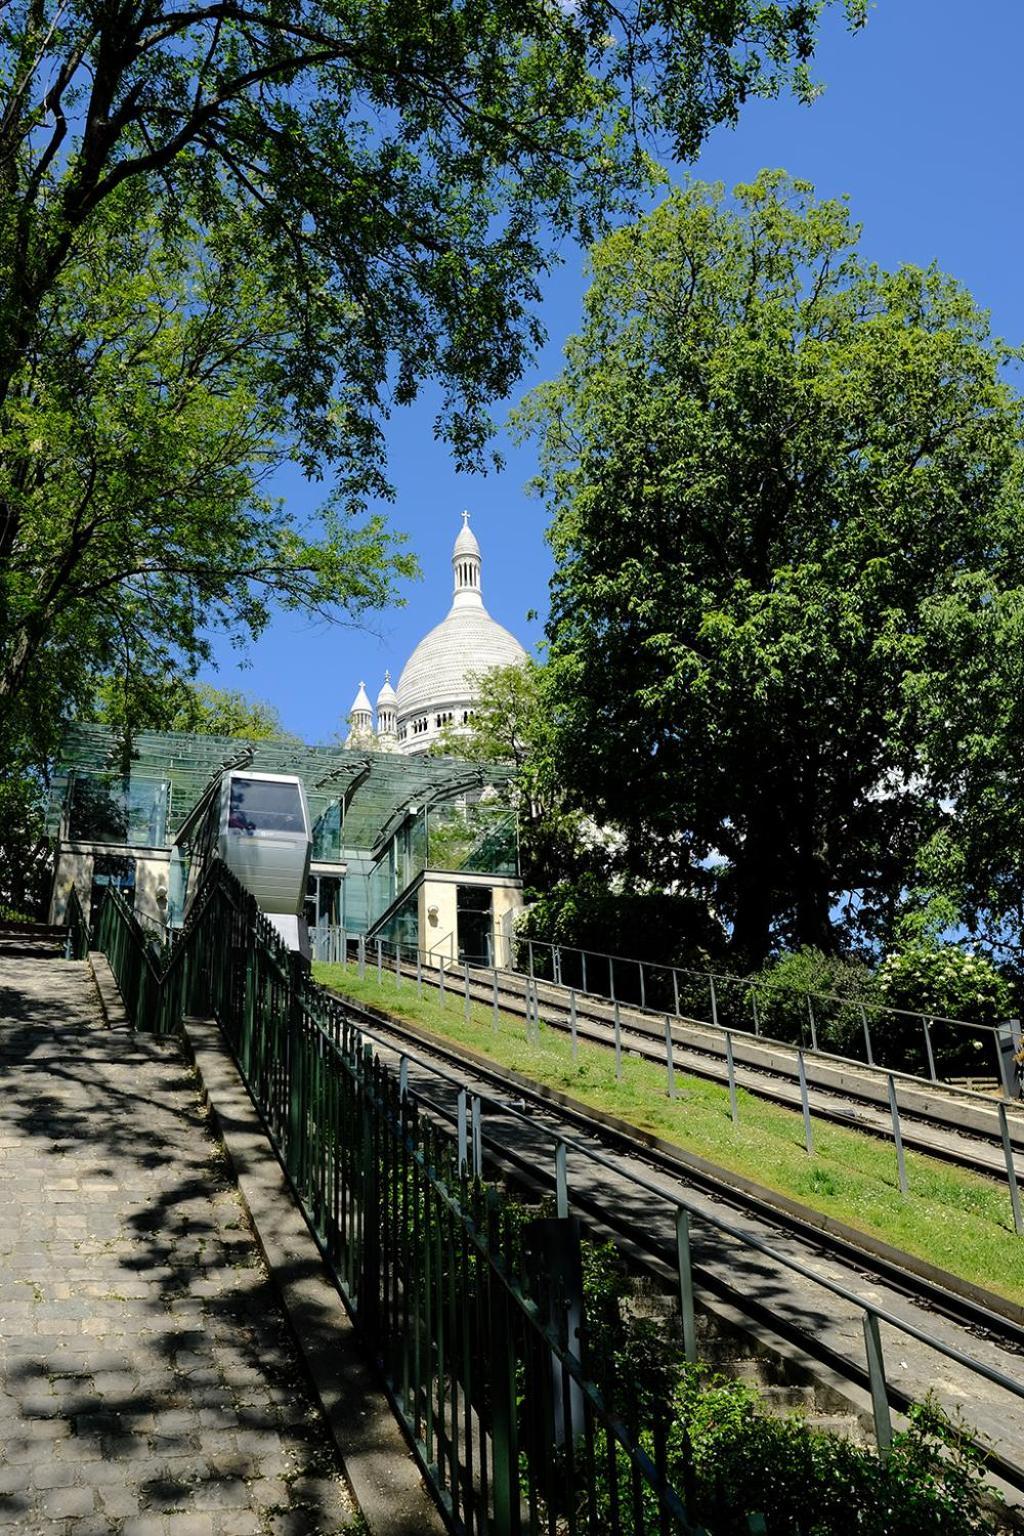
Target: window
259, 805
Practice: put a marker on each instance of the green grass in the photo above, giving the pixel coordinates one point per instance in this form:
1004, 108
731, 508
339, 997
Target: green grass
957, 1220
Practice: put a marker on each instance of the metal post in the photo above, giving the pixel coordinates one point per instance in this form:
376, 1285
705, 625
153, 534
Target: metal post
897, 1135
362, 956
494, 998
403, 1077
419, 972
611, 977
465, 990
675, 989
808, 1133
477, 1138
463, 1135
380, 965
643, 989
732, 1078
556, 965
867, 1035
814, 1027
561, 1180
529, 950
670, 1072
876, 1379
618, 1045
440, 978
583, 957
928, 1048
572, 1025
398, 965
685, 1267
714, 1002
753, 1004
1011, 1172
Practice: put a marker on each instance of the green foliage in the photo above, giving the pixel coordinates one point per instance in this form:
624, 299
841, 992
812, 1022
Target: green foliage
511, 722
945, 981
782, 990
654, 926
803, 1480
776, 474
198, 708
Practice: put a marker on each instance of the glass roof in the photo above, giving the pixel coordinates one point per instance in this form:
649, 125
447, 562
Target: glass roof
375, 787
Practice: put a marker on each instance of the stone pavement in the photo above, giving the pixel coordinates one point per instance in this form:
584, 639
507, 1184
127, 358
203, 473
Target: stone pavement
148, 1383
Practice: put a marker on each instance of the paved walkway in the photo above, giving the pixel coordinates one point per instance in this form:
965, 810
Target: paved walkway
148, 1384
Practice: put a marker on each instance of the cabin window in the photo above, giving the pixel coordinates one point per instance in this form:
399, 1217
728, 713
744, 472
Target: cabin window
260, 805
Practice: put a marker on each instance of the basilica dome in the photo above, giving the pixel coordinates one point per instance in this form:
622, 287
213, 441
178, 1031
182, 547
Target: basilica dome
437, 688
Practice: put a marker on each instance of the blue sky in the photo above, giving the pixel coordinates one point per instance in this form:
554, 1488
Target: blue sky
920, 124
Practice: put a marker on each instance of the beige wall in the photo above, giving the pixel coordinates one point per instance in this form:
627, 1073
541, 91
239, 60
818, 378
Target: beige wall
438, 935
437, 917
75, 868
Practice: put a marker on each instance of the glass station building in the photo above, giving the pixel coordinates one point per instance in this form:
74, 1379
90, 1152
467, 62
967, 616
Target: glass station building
415, 850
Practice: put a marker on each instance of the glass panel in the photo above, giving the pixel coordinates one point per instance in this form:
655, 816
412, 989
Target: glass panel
259, 805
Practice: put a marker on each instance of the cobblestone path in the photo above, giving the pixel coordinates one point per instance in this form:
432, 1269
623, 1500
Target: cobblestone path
148, 1384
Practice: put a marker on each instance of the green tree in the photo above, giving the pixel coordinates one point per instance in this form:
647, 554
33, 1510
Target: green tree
198, 708
236, 232
511, 724
769, 465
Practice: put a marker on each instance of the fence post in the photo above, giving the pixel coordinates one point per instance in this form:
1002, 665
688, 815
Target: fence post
561, 1180
808, 1133
583, 958
419, 972
529, 951
814, 1026
477, 1136
494, 998
897, 1135
675, 989
380, 965
611, 977
643, 989
398, 965
403, 1077
572, 1024
618, 1045
714, 1002
685, 1267
876, 1379
867, 1035
556, 965
465, 990
753, 1004
928, 1048
1011, 1172
732, 1078
463, 1136
670, 1072
362, 956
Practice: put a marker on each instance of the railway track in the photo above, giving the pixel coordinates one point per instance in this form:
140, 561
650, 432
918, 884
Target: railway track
960, 1127
797, 1280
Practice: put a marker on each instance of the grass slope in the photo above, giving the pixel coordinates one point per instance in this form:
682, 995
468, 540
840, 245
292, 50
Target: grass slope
957, 1220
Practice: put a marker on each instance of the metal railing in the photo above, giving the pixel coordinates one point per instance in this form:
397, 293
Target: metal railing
480, 1352
750, 1005
455, 978
470, 1120
76, 939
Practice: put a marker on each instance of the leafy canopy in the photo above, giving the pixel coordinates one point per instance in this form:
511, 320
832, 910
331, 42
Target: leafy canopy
772, 468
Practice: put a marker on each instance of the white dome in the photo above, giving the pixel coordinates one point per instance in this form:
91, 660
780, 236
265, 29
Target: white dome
468, 641
386, 697
466, 542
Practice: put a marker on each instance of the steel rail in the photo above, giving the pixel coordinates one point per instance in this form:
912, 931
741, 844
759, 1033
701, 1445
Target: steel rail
785, 1261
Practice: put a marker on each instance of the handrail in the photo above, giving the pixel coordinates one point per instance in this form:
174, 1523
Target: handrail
751, 986
508, 1110
76, 944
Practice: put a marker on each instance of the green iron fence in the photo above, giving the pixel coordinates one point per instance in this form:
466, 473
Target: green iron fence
76, 944
479, 1335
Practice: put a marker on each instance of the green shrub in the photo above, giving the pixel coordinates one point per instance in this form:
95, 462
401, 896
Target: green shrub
836, 987
947, 982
